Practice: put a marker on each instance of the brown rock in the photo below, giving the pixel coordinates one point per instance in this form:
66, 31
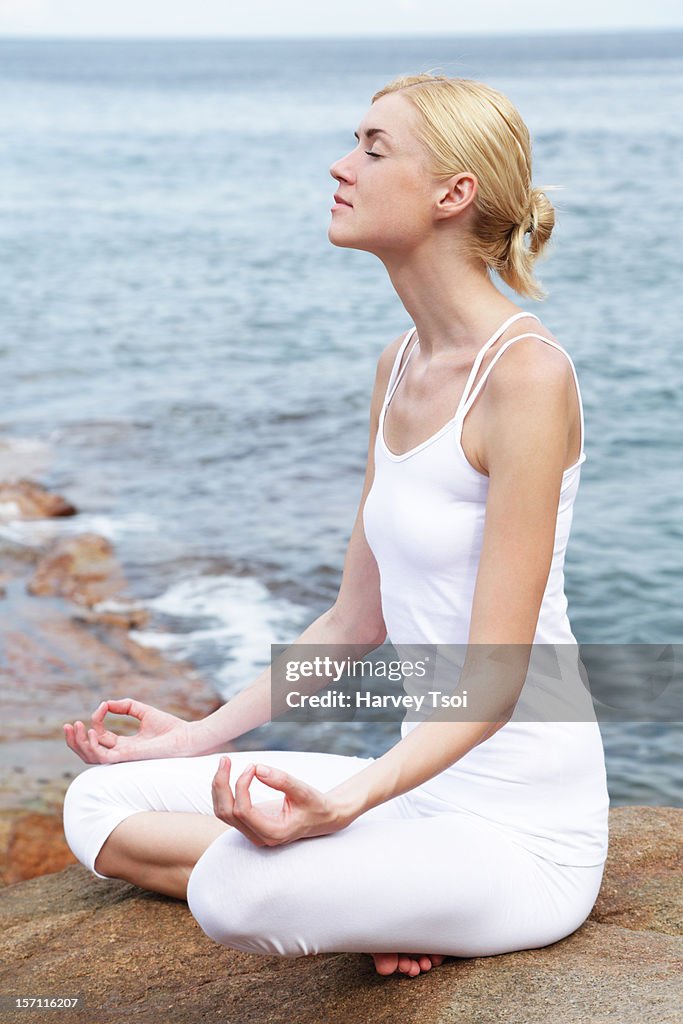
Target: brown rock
25, 499
643, 883
136, 956
63, 650
81, 568
123, 616
56, 670
57, 662
32, 844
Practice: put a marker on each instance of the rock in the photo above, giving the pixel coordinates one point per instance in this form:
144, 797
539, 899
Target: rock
31, 844
137, 956
82, 569
25, 499
64, 647
58, 660
642, 887
54, 670
110, 613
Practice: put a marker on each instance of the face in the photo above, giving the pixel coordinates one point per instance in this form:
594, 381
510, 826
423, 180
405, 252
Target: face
386, 183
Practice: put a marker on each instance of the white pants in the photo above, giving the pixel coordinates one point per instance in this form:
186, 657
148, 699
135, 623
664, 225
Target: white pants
403, 877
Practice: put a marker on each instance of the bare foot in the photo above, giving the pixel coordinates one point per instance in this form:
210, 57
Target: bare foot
411, 964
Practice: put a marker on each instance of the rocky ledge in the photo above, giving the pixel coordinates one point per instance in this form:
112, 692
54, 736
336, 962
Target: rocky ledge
65, 645
131, 955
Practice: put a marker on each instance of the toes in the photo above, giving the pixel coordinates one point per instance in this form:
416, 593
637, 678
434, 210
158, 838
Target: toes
410, 964
385, 963
407, 965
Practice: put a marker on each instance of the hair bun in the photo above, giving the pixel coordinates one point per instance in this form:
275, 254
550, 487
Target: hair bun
540, 219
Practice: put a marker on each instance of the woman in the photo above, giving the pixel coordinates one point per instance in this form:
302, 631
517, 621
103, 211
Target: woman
467, 838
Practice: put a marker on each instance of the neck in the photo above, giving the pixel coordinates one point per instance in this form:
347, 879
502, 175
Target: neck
453, 304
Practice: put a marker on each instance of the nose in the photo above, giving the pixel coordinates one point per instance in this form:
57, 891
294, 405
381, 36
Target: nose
341, 169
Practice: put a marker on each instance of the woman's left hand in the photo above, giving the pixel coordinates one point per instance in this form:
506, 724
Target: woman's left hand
303, 813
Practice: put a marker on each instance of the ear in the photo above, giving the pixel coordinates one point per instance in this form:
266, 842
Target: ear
455, 195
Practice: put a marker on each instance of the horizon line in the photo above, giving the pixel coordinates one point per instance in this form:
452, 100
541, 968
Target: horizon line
409, 34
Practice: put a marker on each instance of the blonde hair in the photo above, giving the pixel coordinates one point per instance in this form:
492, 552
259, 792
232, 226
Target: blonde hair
468, 126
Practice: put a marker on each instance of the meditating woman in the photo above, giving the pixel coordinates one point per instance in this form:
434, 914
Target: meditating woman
466, 838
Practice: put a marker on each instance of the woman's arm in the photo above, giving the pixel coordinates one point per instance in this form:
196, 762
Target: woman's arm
252, 706
525, 453
354, 619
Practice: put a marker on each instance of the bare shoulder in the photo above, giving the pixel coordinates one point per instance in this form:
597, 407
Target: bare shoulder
529, 407
531, 364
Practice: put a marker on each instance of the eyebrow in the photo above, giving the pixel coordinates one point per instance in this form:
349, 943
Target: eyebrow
369, 132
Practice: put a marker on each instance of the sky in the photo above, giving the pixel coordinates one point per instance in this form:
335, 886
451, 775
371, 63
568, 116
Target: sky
282, 18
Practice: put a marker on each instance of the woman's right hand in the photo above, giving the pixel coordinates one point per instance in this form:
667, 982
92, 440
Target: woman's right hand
160, 735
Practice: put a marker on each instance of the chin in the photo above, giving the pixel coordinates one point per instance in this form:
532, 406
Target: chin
336, 237
346, 240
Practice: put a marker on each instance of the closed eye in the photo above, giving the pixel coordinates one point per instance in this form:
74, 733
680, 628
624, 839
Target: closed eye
378, 155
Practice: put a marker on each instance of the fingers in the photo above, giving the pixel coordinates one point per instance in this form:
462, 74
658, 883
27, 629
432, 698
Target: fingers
69, 736
299, 791
242, 802
224, 802
265, 826
105, 737
99, 712
125, 706
86, 744
76, 739
92, 745
221, 793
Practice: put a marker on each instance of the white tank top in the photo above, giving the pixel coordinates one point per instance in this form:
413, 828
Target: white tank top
543, 782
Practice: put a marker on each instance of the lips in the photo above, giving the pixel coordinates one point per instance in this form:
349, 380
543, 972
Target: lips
342, 202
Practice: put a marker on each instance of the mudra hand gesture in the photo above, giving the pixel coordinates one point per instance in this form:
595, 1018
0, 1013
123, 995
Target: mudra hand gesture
302, 813
160, 735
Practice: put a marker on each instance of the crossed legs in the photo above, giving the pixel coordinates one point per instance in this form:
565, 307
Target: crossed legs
398, 878
111, 833
159, 850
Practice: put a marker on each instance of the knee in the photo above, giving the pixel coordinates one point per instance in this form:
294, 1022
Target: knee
92, 807
80, 801
230, 894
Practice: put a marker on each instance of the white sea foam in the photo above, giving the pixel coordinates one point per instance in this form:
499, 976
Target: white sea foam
36, 532
23, 457
240, 620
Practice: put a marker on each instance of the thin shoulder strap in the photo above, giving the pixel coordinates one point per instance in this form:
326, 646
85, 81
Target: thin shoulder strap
467, 405
393, 383
482, 352
393, 379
